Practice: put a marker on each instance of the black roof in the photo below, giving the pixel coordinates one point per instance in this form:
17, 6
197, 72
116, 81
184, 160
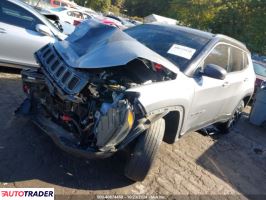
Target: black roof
200, 33
203, 34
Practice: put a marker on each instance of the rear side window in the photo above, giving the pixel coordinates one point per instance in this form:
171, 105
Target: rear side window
64, 4
17, 16
219, 56
236, 60
69, 13
85, 16
57, 3
246, 62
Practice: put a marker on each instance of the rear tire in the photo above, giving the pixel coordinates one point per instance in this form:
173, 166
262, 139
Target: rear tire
143, 154
226, 127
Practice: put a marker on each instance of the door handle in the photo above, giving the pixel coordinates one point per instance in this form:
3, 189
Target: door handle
246, 79
225, 84
2, 30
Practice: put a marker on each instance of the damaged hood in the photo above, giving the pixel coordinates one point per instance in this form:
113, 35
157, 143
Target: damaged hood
95, 45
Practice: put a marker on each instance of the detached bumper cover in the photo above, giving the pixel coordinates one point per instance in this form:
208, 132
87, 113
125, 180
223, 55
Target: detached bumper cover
65, 141
62, 138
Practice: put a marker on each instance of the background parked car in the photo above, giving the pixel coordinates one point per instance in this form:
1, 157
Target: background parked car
64, 27
61, 3
106, 21
70, 15
121, 20
23, 31
259, 58
112, 22
260, 71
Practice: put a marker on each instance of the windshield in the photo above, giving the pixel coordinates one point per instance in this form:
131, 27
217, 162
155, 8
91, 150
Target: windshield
177, 46
38, 13
52, 25
127, 23
259, 69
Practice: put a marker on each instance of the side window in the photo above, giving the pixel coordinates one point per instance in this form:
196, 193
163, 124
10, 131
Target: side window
57, 3
236, 60
218, 56
64, 4
17, 16
69, 13
85, 16
78, 15
246, 62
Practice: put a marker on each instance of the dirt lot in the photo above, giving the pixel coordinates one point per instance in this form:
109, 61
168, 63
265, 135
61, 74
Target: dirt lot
233, 164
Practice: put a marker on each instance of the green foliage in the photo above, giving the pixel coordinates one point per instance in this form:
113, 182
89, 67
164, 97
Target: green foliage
81, 2
117, 6
244, 20
118, 3
100, 5
143, 8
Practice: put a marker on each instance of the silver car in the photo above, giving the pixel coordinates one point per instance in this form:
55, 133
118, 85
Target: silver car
22, 32
103, 90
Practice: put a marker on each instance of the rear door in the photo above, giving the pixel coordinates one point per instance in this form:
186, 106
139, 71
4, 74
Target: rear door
236, 80
18, 37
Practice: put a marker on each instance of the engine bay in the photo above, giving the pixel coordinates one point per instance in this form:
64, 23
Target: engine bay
102, 113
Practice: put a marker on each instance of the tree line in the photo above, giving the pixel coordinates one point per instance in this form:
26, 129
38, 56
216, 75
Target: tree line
244, 20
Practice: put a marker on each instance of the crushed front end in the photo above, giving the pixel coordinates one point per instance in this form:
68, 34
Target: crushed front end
84, 113
90, 111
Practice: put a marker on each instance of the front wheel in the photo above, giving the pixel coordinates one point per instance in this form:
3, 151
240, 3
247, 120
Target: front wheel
226, 127
143, 154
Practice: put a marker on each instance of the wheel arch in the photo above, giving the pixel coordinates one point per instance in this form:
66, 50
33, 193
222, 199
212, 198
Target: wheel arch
173, 124
246, 99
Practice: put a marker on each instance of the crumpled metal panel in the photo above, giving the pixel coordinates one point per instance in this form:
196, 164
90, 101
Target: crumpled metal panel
113, 126
95, 45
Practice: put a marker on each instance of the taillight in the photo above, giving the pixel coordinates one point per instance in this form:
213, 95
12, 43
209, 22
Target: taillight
258, 82
66, 118
158, 67
26, 88
76, 22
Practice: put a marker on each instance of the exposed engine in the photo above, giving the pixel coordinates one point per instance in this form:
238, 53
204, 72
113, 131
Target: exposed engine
102, 113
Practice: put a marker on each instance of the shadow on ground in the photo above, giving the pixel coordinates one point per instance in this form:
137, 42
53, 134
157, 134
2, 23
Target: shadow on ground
27, 154
240, 164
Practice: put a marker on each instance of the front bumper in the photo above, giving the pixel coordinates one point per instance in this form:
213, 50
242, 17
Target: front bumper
62, 138
65, 141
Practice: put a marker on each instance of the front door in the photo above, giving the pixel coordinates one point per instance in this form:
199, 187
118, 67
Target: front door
18, 36
210, 94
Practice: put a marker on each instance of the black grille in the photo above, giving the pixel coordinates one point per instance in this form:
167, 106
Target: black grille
73, 82
67, 79
60, 71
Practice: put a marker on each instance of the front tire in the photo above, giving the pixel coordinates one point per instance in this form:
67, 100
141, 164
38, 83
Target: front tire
144, 152
226, 127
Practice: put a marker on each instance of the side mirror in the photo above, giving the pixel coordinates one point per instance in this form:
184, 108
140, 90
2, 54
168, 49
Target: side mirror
214, 71
43, 30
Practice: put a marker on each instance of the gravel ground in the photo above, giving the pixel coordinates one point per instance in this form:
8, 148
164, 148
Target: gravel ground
231, 165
